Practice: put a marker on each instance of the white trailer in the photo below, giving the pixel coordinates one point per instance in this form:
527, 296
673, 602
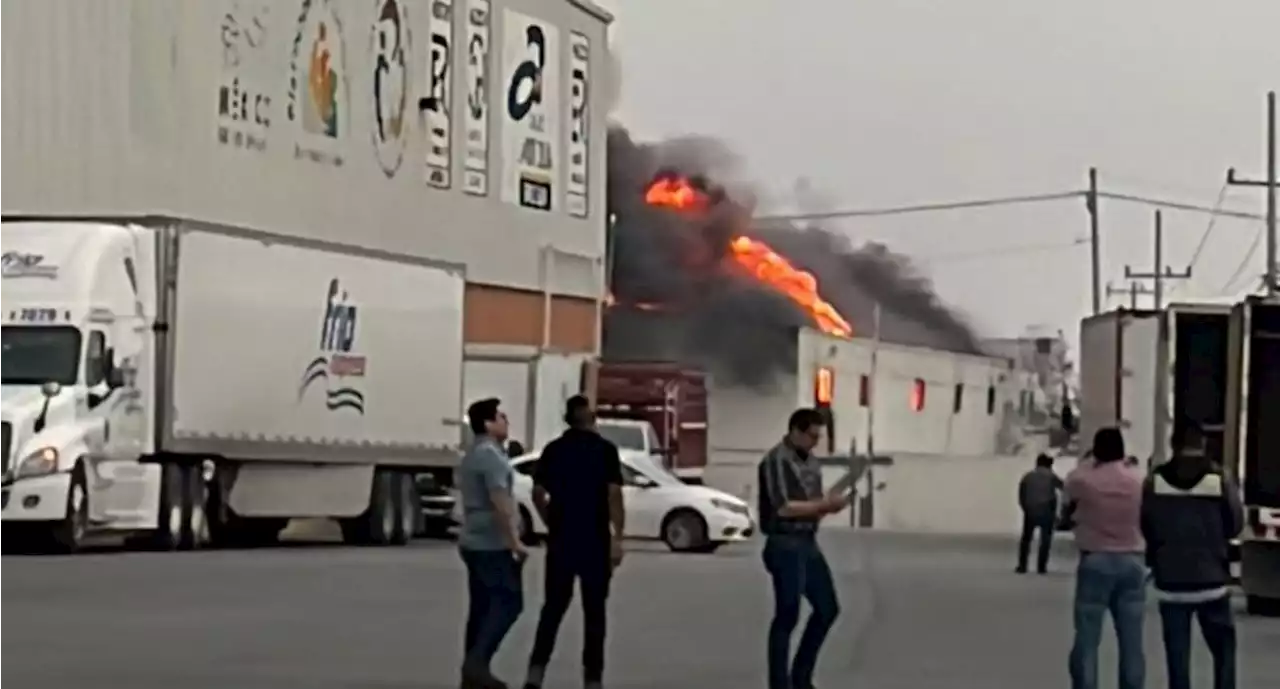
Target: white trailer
1145, 371
195, 382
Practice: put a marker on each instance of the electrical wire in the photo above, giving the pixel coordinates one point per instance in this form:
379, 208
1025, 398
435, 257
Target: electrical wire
925, 208
1208, 230
1015, 250
1178, 205
1229, 287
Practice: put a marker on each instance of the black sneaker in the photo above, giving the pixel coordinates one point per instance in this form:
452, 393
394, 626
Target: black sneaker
481, 680
1020, 570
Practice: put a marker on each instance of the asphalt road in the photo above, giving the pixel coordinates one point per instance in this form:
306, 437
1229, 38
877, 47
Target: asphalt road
919, 613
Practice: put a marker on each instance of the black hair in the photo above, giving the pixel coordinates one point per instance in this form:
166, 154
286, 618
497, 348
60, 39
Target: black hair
1044, 460
573, 408
804, 419
481, 412
1108, 445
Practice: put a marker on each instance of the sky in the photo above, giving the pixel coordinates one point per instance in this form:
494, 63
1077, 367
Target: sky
878, 104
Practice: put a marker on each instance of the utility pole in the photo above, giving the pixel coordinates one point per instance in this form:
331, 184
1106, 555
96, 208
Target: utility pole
1270, 184
1161, 272
1134, 290
1095, 247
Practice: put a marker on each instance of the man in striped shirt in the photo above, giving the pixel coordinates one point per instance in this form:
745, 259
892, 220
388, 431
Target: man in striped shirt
792, 502
1190, 512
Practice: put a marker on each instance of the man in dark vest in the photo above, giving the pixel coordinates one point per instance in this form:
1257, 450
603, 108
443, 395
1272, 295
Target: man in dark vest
1190, 512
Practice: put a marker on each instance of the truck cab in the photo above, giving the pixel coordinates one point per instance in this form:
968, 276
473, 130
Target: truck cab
74, 416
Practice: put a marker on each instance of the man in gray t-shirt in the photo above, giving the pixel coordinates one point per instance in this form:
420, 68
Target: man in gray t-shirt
488, 543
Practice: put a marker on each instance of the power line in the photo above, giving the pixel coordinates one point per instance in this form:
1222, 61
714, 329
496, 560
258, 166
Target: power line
1228, 287
1208, 230
924, 208
1015, 250
1178, 205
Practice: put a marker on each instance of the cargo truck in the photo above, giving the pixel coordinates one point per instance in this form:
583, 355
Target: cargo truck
670, 398
1147, 372
189, 382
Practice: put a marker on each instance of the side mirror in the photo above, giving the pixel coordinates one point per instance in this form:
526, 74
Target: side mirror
644, 482
115, 378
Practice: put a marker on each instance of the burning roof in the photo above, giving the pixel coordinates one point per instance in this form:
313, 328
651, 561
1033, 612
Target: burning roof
695, 279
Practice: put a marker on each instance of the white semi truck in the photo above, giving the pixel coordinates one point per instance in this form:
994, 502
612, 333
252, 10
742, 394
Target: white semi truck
1145, 372
190, 382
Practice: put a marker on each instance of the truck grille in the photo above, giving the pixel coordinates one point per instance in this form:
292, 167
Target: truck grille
6, 431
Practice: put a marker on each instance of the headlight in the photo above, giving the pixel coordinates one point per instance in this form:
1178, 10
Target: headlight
729, 506
39, 463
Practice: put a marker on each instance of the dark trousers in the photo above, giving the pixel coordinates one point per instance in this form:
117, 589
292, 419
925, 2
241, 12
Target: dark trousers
496, 595
1218, 627
592, 568
799, 571
1031, 523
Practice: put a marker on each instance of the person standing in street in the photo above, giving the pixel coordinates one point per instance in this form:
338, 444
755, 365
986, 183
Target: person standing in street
577, 490
792, 502
489, 543
1038, 497
1190, 512
1104, 499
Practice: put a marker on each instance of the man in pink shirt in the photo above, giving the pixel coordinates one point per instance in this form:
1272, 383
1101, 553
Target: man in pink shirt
1104, 500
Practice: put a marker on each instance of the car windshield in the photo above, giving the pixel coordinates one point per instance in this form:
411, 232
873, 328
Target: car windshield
34, 355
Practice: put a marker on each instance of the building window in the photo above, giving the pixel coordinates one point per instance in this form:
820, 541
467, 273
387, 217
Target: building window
958, 403
864, 390
917, 394
823, 386
991, 400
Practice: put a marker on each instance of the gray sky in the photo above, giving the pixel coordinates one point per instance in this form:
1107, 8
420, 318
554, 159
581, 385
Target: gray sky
911, 101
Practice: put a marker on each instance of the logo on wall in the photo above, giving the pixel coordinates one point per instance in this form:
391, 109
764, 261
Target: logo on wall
19, 265
577, 185
244, 102
530, 131
337, 366
318, 84
475, 167
391, 49
438, 104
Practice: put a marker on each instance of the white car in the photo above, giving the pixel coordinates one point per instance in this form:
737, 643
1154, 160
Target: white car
659, 506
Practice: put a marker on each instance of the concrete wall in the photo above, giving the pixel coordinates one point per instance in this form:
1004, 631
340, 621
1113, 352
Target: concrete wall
919, 493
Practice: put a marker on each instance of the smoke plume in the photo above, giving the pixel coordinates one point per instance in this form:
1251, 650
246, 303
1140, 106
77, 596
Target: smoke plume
679, 297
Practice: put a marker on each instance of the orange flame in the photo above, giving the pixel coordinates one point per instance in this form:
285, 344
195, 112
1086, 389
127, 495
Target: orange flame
757, 258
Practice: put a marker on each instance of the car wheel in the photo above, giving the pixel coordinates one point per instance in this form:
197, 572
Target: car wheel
684, 530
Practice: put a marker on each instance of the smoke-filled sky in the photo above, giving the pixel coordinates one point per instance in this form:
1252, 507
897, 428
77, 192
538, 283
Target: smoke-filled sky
915, 101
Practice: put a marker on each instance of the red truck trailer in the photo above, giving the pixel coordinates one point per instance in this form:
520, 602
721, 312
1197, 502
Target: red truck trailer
670, 397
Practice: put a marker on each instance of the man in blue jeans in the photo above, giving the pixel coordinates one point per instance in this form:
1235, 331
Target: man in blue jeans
1104, 499
489, 544
792, 502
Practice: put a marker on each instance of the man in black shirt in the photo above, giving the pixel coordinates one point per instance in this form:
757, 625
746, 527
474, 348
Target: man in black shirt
792, 502
578, 492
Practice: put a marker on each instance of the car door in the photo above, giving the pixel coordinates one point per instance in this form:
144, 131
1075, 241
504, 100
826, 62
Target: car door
643, 500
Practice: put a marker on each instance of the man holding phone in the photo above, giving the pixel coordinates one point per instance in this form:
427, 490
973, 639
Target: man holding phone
792, 502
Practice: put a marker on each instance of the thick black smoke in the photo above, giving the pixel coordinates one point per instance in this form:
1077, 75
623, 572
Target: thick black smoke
679, 298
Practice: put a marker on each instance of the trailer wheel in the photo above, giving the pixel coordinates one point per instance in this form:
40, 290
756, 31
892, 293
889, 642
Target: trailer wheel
68, 535
406, 507
182, 521
378, 524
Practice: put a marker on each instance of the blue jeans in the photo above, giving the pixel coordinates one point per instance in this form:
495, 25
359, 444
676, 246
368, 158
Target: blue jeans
799, 570
1115, 583
496, 594
1218, 627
